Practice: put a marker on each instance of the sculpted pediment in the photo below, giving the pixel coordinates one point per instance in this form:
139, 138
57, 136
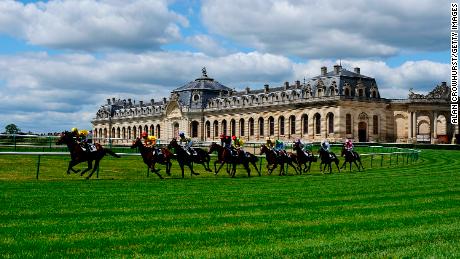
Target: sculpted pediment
173, 110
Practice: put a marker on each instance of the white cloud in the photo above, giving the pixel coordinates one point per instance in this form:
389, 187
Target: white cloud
207, 45
42, 92
92, 25
331, 29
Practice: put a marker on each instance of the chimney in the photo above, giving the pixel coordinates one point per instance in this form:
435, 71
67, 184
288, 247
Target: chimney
337, 69
113, 100
297, 84
248, 89
108, 101
141, 103
357, 70
152, 101
266, 88
129, 102
323, 71
286, 85
164, 100
443, 84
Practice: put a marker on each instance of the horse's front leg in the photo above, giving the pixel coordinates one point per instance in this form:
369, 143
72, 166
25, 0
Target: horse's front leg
72, 163
90, 166
96, 166
215, 168
190, 165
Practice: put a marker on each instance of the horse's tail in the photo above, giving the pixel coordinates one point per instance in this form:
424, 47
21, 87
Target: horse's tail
110, 152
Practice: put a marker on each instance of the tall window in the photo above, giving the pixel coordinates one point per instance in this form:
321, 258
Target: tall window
208, 129
375, 120
348, 124
271, 126
113, 133
241, 127
158, 131
224, 127
146, 129
317, 124
123, 132
330, 123
251, 127
281, 125
152, 130
118, 132
129, 133
194, 129
233, 127
134, 132
216, 128
305, 124
292, 124
261, 126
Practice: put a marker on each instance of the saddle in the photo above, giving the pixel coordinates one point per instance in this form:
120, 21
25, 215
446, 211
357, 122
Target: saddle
157, 152
91, 147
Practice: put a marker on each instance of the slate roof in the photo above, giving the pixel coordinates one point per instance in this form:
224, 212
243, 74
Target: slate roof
203, 83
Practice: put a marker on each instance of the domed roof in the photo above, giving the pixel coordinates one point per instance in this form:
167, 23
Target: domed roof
204, 82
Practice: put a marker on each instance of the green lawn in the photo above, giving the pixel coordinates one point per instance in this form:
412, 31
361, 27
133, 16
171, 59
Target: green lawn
408, 210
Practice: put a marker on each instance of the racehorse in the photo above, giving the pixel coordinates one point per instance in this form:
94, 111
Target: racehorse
303, 158
78, 155
327, 158
184, 158
224, 156
274, 159
150, 159
351, 157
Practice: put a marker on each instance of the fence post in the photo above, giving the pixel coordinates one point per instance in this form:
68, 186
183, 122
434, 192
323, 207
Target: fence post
397, 158
390, 158
38, 167
14, 141
381, 161
372, 158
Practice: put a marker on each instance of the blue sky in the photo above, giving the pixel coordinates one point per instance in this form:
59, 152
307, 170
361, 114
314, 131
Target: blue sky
60, 60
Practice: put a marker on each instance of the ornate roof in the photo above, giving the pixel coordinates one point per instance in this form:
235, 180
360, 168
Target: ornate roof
439, 92
204, 82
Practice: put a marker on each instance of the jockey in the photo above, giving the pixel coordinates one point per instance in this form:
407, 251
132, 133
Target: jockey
269, 142
151, 141
279, 147
237, 144
82, 137
326, 146
75, 134
187, 143
348, 145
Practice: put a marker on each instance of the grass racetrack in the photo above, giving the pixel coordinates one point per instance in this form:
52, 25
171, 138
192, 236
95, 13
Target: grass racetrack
399, 211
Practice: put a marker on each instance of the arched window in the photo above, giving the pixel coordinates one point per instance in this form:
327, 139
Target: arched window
208, 129
348, 123
347, 92
118, 132
194, 129
261, 126
375, 124
129, 133
317, 124
281, 125
146, 129
374, 94
134, 132
271, 126
305, 124
158, 131
216, 128
251, 126
241, 127
152, 130
123, 132
233, 127
224, 127
105, 133
113, 133
330, 120
292, 124
360, 92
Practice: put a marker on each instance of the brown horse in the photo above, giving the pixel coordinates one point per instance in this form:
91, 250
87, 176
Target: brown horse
184, 158
273, 159
327, 158
150, 159
303, 158
351, 157
78, 155
224, 156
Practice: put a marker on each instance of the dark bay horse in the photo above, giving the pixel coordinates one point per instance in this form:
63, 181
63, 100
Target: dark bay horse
303, 158
150, 159
351, 157
273, 159
224, 156
184, 158
78, 155
327, 158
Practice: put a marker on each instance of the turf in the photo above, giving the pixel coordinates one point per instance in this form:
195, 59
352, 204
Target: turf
404, 210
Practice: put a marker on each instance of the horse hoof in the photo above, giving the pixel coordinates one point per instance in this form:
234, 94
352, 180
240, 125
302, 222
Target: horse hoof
195, 173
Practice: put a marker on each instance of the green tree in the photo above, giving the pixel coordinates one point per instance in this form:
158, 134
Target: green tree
12, 129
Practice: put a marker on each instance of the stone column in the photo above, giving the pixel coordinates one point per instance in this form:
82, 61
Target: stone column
409, 128
414, 126
454, 138
435, 130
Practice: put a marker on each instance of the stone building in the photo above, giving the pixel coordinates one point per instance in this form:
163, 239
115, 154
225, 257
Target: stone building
335, 105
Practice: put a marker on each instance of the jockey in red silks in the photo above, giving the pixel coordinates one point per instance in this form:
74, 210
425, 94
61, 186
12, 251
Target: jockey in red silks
348, 145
